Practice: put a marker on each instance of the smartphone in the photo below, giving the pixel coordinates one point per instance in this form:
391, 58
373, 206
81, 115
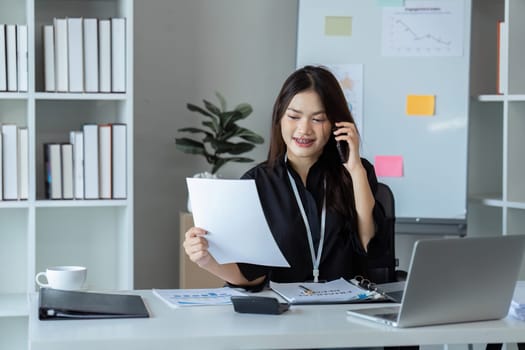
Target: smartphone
258, 305
342, 149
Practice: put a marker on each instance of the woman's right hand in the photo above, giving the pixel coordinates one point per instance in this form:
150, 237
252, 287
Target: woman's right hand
196, 246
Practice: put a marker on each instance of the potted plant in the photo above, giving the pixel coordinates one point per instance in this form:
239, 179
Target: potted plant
216, 137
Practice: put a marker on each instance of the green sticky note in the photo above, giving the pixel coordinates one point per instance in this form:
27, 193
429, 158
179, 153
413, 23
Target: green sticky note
338, 26
391, 3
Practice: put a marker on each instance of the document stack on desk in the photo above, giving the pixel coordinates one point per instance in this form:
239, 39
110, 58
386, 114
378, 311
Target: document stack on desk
334, 292
517, 306
196, 297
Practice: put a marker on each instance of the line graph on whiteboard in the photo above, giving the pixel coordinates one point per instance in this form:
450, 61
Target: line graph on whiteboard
432, 28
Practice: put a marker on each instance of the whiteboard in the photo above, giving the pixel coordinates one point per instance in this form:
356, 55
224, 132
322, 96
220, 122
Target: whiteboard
433, 186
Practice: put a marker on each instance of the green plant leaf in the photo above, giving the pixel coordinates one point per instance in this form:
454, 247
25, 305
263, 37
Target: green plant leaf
245, 109
198, 109
249, 135
212, 108
239, 159
228, 119
221, 100
240, 112
219, 127
231, 147
187, 145
229, 133
212, 125
195, 131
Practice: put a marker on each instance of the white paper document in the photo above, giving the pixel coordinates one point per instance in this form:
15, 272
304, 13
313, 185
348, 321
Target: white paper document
517, 306
336, 291
196, 297
424, 28
231, 212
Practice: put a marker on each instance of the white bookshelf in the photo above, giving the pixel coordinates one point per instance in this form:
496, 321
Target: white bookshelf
497, 123
37, 233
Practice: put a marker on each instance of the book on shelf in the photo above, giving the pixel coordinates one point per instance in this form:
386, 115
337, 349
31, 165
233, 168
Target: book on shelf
49, 57
104, 52
10, 161
118, 54
21, 55
67, 170
90, 55
104, 151
3, 64
61, 55
75, 54
76, 138
119, 160
91, 166
10, 43
502, 58
53, 170
23, 163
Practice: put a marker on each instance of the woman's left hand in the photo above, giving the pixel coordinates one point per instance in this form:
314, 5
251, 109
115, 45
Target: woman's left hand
347, 132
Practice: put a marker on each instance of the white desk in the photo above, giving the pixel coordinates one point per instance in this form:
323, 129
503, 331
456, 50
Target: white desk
219, 327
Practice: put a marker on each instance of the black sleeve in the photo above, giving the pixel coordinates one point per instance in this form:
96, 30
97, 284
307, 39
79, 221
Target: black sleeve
379, 243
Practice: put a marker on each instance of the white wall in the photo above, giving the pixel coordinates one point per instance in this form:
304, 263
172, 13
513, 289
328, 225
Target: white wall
185, 50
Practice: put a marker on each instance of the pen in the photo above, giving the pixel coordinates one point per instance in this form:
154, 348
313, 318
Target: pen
306, 290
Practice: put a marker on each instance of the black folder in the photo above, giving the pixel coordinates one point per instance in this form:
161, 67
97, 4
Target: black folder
54, 304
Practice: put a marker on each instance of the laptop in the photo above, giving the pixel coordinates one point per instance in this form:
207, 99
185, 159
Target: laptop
455, 280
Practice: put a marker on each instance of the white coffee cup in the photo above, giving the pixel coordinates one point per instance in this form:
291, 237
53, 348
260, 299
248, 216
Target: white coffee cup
63, 277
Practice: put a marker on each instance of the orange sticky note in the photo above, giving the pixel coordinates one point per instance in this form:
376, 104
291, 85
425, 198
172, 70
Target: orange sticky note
421, 104
388, 166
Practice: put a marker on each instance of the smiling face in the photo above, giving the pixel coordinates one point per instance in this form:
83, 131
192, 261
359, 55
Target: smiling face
305, 128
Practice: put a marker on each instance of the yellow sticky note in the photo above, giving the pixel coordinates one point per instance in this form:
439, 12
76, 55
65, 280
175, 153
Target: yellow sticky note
338, 25
421, 104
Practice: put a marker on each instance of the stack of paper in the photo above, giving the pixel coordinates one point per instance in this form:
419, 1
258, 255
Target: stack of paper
517, 306
337, 291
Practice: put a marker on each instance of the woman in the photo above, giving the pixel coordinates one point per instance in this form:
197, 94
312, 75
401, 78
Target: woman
320, 209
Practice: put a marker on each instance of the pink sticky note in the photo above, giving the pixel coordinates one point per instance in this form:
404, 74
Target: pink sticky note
389, 166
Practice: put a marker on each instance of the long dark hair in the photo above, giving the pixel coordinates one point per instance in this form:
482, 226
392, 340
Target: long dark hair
340, 194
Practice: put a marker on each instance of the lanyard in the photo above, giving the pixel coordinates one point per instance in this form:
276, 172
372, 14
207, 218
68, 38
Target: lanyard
315, 259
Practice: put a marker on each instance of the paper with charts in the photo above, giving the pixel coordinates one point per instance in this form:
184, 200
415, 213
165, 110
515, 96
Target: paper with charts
196, 297
231, 212
424, 28
336, 291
